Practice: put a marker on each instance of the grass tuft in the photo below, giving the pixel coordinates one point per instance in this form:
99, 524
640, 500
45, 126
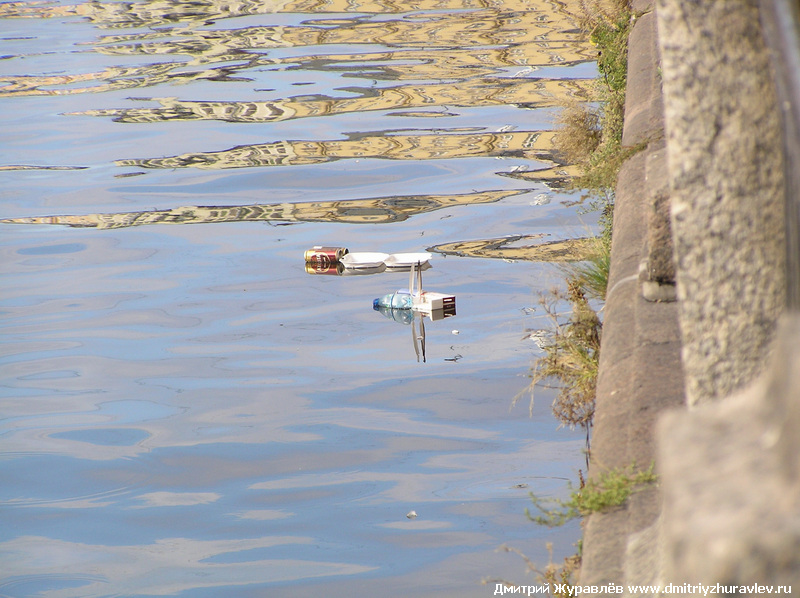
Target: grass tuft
579, 132
592, 273
609, 490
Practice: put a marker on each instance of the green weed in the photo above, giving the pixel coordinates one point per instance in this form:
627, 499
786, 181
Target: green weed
610, 489
592, 273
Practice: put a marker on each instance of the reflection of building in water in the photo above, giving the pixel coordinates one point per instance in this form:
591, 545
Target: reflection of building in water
445, 64
480, 92
115, 77
527, 144
569, 250
168, 12
442, 45
444, 30
353, 211
412, 64
555, 177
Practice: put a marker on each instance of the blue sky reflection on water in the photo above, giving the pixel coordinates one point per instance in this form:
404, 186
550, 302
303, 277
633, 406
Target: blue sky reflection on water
185, 410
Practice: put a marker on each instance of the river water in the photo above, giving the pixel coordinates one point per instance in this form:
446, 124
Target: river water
187, 408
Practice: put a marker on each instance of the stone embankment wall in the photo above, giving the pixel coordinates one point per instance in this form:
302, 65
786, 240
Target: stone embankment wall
700, 364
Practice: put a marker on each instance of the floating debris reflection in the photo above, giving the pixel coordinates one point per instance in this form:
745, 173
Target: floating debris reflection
36, 167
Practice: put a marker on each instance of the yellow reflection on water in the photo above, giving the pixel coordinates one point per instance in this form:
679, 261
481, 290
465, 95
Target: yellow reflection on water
398, 65
568, 250
493, 36
353, 211
455, 59
479, 92
443, 30
525, 144
166, 12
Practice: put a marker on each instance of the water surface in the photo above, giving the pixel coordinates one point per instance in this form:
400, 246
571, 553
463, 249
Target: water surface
186, 410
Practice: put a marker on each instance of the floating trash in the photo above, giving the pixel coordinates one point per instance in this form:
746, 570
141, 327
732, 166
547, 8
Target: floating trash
341, 261
325, 260
401, 299
407, 260
364, 260
404, 304
434, 305
401, 316
542, 199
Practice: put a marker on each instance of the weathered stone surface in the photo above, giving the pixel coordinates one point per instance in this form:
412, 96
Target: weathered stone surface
727, 506
644, 114
643, 558
661, 267
640, 376
639, 6
731, 510
724, 155
640, 367
657, 270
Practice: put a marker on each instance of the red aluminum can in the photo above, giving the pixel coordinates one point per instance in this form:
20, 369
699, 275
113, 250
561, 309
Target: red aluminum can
324, 260
334, 269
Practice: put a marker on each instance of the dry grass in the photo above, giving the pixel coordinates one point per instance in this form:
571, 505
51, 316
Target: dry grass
591, 133
553, 574
565, 575
594, 13
570, 358
573, 361
579, 133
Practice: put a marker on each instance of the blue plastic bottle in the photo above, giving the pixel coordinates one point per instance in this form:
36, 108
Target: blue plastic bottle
398, 300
